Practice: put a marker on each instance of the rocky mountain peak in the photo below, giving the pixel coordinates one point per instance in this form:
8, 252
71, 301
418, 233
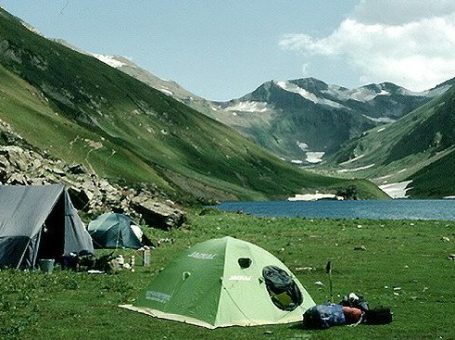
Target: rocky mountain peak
310, 84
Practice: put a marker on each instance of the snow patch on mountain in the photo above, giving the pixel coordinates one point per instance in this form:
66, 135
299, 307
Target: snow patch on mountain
110, 60
353, 160
362, 94
380, 119
314, 157
356, 169
166, 91
248, 106
396, 190
295, 89
314, 197
296, 161
384, 93
290, 87
303, 146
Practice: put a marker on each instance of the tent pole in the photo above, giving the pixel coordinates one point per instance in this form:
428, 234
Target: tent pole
38, 244
23, 253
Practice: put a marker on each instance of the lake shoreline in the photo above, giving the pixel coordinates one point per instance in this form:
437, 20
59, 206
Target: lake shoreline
403, 209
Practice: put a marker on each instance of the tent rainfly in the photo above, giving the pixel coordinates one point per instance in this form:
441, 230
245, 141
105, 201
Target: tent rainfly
38, 222
113, 230
224, 282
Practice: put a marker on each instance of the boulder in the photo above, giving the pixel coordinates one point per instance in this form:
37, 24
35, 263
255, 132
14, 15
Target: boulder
75, 169
4, 163
158, 215
36, 164
18, 179
16, 156
57, 171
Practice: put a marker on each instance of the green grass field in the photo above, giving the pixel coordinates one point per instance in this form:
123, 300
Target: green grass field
406, 255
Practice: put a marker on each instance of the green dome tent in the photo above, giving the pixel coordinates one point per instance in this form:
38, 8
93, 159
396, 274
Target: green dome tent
223, 282
112, 230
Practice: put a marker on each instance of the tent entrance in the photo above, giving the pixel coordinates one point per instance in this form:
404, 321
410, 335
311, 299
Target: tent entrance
52, 235
282, 288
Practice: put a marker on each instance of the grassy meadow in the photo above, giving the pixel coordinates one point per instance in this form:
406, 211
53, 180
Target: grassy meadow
405, 266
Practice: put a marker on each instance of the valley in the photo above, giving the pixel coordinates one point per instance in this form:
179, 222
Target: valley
376, 131
125, 123
79, 109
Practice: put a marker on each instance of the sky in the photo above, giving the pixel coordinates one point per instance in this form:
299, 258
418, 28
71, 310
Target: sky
222, 50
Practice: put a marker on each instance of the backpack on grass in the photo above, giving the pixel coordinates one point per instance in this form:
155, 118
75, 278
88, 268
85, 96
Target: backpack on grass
356, 301
378, 316
324, 316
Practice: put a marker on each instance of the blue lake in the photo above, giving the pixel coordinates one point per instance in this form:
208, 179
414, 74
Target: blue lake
391, 209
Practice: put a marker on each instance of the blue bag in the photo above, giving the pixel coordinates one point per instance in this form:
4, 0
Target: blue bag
324, 316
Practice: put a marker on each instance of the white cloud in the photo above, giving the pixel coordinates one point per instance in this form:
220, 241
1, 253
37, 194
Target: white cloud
417, 54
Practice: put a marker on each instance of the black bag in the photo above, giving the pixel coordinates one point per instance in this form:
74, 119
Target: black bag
378, 316
279, 284
356, 301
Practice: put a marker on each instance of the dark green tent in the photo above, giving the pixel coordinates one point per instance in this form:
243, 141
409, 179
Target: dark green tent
112, 230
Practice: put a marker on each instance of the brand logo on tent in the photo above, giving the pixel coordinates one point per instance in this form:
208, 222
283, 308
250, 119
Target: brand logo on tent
157, 296
239, 278
202, 256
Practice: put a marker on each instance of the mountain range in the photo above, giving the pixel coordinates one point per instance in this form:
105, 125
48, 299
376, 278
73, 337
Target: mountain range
301, 119
77, 108
397, 138
304, 119
152, 129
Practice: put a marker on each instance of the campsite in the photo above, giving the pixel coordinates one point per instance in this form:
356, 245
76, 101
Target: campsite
227, 169
405, 266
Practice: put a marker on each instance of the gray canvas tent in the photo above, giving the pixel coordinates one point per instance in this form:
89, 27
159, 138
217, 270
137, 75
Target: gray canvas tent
38, 222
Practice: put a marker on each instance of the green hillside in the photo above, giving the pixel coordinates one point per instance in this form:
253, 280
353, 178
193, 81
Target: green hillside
418, 148
81, 110
436, 180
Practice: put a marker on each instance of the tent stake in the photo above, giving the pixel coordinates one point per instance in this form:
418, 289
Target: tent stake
328, 270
